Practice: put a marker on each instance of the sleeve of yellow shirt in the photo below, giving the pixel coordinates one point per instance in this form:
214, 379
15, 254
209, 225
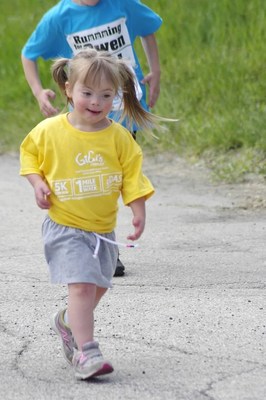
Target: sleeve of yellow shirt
29, 157
135, 183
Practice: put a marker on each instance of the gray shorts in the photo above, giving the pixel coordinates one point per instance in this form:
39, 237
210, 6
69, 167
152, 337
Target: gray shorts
69, 254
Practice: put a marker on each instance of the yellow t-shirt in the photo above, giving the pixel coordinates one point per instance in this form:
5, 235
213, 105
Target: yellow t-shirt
86, 171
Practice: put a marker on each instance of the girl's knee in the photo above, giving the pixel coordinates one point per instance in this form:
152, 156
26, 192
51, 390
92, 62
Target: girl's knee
82, 289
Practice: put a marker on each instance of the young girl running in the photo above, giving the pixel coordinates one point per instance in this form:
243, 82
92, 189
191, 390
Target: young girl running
78, 164
71, 26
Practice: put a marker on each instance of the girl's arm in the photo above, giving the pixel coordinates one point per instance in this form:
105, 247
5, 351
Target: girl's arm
43, 96
139, 216
150, 47
41, 190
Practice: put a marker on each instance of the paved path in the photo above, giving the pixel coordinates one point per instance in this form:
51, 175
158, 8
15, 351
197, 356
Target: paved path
188, 320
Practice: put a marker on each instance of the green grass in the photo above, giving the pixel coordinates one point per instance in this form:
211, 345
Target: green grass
213, 58
18, 109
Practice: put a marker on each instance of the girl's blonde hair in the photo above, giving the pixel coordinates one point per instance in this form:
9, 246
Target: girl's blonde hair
89, 67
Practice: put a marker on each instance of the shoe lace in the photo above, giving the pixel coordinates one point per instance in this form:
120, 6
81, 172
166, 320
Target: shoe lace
98, 242
65, 336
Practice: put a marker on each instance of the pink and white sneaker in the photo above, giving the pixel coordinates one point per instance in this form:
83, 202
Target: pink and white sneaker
89, 362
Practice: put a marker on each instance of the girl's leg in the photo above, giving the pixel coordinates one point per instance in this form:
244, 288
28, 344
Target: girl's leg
83, 298
99, 294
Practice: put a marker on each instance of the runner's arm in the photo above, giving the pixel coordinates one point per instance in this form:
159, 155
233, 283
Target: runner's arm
150, 47
43, 96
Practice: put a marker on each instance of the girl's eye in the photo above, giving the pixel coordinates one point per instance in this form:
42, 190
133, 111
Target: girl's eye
86, 93
106, 96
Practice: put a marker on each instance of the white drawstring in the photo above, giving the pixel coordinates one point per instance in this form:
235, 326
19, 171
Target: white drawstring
98, 242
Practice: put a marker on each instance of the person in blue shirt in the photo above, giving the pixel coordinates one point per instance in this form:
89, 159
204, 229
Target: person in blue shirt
110, 25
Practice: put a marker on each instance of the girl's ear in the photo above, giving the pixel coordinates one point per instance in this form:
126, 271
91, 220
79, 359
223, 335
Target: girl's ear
67, 90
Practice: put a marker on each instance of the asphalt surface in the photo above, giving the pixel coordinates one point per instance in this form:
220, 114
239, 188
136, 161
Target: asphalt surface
186, 322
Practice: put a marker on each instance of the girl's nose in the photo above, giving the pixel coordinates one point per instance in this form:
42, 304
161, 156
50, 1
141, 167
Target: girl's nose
95, 100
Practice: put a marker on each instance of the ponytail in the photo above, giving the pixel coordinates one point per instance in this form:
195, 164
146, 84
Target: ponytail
133, 111
59, 74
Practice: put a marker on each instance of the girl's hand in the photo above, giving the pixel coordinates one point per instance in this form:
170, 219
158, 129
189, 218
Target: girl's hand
42, 192
139, 224
139, 215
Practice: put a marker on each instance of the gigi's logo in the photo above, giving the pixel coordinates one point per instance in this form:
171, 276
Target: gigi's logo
89, 158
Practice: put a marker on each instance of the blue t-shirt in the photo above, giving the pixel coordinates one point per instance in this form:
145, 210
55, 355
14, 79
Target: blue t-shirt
110, 25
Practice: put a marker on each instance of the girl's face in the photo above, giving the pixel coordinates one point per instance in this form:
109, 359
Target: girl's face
91, 104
